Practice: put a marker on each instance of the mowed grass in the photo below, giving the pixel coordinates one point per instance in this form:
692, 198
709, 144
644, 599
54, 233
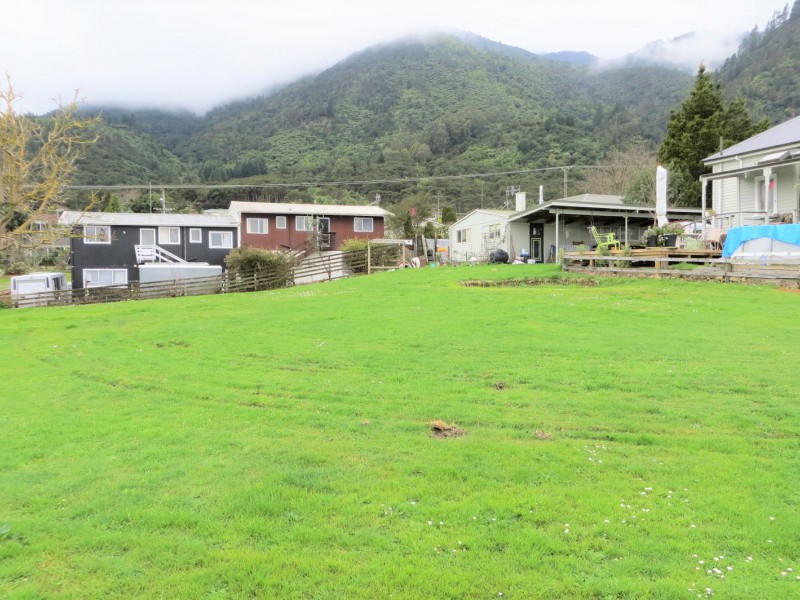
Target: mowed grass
637, 439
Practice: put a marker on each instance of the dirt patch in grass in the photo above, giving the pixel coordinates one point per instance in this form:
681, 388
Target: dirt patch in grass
252, 404
531, 281
441, 429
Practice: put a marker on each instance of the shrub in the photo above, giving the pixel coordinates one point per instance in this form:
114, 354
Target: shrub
355, 254
272, 269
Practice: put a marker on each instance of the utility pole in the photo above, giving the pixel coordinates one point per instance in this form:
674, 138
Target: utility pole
566, 170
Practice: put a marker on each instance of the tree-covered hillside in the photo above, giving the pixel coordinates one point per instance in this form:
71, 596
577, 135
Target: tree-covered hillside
411, 113
445, 106
121, 156
766, 69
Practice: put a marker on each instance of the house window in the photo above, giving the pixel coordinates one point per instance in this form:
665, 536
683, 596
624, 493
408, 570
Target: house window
280, 222
494, 231
363, 225
195, 235
147, 237
303, 223
169, 235
104, 277
461, 236
766, 199
220, 239
772, 195
256, 226
96, 234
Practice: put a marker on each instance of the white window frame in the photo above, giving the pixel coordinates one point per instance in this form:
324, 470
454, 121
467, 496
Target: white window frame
226, 240
118, 277
302, 223
165, 236
195, 235
772, 194
91, 234
462, 236
257, 226
280, 222
494, 231
766, 199
360, 225
142, 233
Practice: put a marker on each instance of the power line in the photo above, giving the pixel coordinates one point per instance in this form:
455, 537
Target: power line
242, 186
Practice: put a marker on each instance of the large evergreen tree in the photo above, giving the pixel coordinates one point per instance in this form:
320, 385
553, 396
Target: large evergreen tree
701, 127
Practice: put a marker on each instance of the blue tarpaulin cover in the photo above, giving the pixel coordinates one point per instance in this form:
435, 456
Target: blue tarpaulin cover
739, 235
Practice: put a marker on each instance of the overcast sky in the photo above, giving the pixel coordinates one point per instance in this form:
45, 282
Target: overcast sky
197, 54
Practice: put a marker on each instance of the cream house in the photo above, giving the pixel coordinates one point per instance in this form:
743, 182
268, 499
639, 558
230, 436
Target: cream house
543, 228
757, 181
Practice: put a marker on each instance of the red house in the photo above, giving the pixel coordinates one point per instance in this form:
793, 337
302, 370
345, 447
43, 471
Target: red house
278, 226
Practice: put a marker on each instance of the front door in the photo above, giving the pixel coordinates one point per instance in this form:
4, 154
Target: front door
324, 229
537, 242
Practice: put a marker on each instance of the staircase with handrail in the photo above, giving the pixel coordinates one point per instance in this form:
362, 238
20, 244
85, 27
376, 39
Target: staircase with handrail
152, 253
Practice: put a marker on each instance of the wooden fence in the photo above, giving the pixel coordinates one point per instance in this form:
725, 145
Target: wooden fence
311, 270
686, 267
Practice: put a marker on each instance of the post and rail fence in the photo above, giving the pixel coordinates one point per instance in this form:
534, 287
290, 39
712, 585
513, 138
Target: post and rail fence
327, 267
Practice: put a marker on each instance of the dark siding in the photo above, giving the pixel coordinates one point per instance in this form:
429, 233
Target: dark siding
121, 254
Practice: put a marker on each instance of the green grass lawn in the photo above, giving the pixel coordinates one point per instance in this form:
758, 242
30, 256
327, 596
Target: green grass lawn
635, 439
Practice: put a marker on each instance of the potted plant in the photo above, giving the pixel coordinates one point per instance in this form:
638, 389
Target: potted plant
662, 236
650, 236
671, 231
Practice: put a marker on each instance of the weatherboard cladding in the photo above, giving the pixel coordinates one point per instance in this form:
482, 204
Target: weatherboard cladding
120, 253
341, 227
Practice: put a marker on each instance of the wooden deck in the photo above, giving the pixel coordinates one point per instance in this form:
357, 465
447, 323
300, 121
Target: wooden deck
684, 264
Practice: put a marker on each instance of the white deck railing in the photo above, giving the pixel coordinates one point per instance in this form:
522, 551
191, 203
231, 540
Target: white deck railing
148, 253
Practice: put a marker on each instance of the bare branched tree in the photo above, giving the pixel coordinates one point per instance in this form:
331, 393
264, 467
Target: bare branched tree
37, 159
622, 170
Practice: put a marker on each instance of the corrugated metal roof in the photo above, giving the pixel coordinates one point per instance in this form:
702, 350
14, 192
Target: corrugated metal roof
579, 201
74, 217
610, 199
494, 212
281, 208
785, 134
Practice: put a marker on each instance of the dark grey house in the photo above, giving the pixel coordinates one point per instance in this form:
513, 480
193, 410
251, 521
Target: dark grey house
109, 248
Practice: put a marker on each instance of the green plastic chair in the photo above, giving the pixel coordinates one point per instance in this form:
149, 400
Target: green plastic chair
606, 240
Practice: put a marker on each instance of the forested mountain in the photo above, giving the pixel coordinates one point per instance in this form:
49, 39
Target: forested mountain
441, 107
422, 109
766, 68
122, 156
444, 106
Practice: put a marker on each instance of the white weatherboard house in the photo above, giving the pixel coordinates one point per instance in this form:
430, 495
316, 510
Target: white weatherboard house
480, 232
757, 183
543, 228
